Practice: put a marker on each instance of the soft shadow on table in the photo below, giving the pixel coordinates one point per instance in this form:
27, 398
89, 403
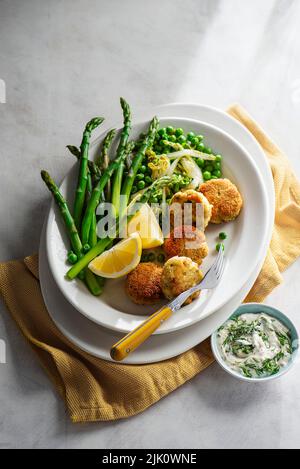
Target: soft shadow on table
269, 46
223, 392
26, 239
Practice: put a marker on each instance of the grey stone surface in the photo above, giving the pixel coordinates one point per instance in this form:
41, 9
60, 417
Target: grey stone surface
64, 61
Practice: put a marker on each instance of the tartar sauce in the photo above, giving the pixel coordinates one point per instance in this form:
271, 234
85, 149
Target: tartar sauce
255, 345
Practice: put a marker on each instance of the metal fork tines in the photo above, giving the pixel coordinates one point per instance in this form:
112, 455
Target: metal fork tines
209, 281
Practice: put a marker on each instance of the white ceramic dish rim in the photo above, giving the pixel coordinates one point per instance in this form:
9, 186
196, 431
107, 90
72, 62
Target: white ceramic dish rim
202, 330
216, 352
177, 325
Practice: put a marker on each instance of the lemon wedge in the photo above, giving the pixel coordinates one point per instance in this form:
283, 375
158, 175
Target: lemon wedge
120, 259
146, 225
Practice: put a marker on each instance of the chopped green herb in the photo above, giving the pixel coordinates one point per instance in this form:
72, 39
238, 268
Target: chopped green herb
222, 235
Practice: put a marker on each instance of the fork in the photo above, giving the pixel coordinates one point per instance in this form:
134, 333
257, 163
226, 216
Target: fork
135, 338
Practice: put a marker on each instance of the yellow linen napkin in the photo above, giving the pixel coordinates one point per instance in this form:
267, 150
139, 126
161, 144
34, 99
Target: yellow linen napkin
94, 389
285, 244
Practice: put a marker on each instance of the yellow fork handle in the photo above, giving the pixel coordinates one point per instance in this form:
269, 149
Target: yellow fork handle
135, 338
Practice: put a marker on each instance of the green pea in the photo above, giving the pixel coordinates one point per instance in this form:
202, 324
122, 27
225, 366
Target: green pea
143, 168
190, 135
217, 164
200, 147
86, 248
181, 139
218, 158
145, 257
200, 162
194, 141
222, 235
209, 167
220, 246
161, 258
208, 150
172, 138
200, 137
141, 185
72, 258
162, 131
214, 177
139, 176
134, 189
170, 130
148, 179
163, 136
151, 256
217, 173
206, 175
186, 145
179, 132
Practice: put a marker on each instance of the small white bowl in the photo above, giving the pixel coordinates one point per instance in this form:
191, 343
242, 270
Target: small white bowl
257, 308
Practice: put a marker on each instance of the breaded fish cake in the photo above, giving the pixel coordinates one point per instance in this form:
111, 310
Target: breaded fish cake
186, 241
143, 283
193, 197
224, 197
180, 274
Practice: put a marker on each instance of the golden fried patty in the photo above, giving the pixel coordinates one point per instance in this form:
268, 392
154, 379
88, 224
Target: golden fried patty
186, 241
224, 197
143, 283
190, 196
179, 274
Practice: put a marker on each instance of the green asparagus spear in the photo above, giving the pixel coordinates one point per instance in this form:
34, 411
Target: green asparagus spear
93, 231
104, 243
74, 150
94, 170
103, 160
82, 177
89, 188
98, 281
95, 199
90, 279
91, 168
129, 149
95, 287
137, 160
99, 187
117, 181
64, 210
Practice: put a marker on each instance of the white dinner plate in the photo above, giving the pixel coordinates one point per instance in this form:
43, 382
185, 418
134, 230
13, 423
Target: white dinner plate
113, 309
97, 340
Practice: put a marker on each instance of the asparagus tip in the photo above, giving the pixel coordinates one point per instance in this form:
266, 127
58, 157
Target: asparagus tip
44, 174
